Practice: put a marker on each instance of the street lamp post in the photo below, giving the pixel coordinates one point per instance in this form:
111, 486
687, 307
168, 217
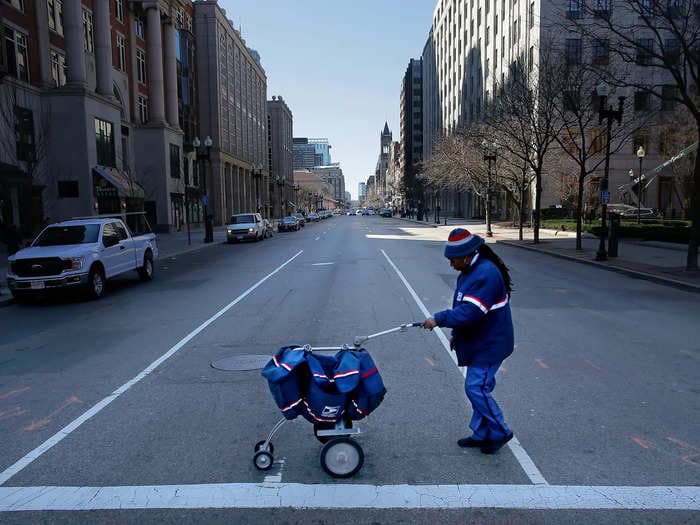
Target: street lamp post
203, 155
640, 155
489, 157
610, 114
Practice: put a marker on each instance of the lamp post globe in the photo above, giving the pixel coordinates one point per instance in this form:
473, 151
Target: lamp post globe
640, 155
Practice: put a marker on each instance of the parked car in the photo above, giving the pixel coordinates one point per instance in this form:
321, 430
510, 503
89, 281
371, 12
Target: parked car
313, 217
245, 226
385, 212
81, 253
269, 229
300, 217
289, 223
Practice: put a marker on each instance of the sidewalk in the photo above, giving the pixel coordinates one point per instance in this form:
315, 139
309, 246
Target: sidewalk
169, 245
660, 262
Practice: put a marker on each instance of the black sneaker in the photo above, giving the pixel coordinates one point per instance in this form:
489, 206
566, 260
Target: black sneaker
470, 442
491, 447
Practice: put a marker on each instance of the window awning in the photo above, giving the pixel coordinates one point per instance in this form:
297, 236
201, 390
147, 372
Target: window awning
291, 204
125, 185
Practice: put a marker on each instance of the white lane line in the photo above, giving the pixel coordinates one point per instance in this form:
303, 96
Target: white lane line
322, 264
523, 458
347, 496
73, 425
277, 477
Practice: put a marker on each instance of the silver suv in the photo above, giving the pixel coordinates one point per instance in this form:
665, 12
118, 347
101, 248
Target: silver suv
245, 226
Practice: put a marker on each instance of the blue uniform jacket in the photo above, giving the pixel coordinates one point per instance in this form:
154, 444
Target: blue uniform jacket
480, 316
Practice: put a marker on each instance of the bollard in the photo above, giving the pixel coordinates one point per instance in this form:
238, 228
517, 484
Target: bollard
614, 220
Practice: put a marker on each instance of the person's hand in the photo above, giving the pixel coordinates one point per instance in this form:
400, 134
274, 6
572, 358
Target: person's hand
452, 343
429, 323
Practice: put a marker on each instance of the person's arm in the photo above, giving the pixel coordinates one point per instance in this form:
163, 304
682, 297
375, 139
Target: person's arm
477, 300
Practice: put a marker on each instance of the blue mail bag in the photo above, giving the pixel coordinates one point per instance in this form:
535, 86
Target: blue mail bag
370, 390
287, 375
333, 379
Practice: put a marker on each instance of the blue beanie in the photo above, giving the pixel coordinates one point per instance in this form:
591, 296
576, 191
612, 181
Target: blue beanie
461, 243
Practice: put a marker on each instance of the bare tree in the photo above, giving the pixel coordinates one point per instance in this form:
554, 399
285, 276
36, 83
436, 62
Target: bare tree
663, 37
524, 119
24, 129
582, 139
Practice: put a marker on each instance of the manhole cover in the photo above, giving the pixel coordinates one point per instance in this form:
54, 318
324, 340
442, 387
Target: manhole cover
241, 362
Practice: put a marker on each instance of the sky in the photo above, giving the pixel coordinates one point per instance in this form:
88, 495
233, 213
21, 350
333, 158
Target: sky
339, 65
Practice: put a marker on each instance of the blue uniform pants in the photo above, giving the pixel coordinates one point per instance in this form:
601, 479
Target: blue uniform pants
487, 419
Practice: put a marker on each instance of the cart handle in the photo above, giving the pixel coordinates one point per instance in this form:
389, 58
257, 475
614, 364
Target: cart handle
361, 339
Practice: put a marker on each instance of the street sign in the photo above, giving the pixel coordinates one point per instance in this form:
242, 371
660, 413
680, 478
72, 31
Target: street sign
205, 200
604, 197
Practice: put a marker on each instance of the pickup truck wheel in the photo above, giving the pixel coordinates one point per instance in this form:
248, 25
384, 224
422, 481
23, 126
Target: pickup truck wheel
146, 271
96, 282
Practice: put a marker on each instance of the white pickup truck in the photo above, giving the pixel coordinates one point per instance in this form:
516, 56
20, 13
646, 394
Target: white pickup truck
80, 253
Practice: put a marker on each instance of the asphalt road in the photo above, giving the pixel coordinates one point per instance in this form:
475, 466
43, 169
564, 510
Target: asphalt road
601, 391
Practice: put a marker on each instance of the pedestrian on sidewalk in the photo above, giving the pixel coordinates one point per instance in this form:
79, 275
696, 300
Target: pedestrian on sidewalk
482, 332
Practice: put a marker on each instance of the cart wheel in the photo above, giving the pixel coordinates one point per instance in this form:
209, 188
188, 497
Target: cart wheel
342, 457
270, 447
263, 460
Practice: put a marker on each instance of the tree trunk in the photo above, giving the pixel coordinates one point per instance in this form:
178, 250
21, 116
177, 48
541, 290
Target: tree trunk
522, 213
694, 237
538, 202
579, 207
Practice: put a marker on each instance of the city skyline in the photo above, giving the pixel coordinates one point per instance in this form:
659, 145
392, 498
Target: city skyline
367, 48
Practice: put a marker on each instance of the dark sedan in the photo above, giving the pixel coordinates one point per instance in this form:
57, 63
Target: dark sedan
289, 224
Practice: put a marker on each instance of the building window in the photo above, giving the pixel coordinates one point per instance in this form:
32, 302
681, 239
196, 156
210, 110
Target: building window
119, 10
531, 15
531, 58
121, 52
58, 68
141, 66
572, 51
574, 9
24, 133
601, 51
68, 189
642, 101
17, 4
645, 48
142, 106
104, 136
55, 10
175, 161
597, 140
672, 51
179, 18
669, 95
138, 27
17, 56
602, 8
572, 101
641, 137
88, 32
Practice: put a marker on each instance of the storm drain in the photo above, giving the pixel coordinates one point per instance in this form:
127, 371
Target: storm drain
241, 362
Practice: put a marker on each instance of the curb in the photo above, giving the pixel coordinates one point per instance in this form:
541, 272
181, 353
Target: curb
626, 271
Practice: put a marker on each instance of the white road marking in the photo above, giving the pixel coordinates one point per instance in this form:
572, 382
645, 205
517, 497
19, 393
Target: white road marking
317, 238
76, 423
523, 458
347, 496
322, 264
277, 477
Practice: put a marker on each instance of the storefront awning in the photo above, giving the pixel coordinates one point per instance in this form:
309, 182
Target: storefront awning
125, 185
